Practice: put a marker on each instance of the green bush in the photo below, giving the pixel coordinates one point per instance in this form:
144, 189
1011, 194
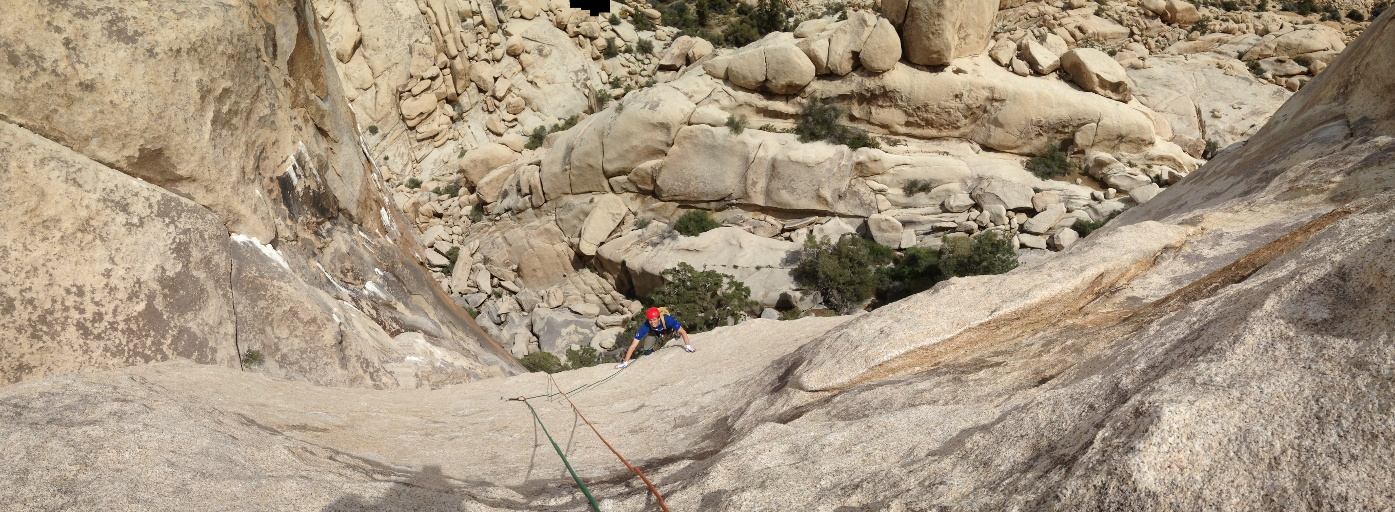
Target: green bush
252, 358
641, 22
373, 129
644, 46
642, 222
542, 362
913, 187
603, 98
821, 120
614, 20
988, 253
585, 357
450, 189
695, 222
844, 272
1212, 147
736, 124
701, 300
453, 255
1230, 5
916, 270
477, 212
1054, 164
1255, 68
413, 183
611, 50
535, 140
1302, 60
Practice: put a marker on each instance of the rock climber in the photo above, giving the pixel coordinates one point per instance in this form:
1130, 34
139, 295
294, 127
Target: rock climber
656, 326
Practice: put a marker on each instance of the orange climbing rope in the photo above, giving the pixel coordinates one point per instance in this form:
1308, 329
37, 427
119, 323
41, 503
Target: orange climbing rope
652, 490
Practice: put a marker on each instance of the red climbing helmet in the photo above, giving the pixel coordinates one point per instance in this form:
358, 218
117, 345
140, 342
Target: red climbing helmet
651, 313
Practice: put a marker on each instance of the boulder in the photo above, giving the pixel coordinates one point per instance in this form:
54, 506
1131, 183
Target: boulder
885, 230
882, 50
676, 55
760, 263
998, 192
1042, 60
935, 32
1097, 72
1176, 12
747, 69
1044, 220
846, 40
1063, 239
477, 163
787, 69
609, 210
992, 107
557, 329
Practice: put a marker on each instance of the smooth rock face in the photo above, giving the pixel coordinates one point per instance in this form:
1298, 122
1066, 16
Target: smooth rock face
935, 32
1095, 71
236, 108
117, 297
993, 107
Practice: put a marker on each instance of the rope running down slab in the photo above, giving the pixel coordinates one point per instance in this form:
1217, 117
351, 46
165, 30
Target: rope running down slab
627, 464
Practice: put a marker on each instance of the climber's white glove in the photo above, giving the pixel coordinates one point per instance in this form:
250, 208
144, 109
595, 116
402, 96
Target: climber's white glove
689, 348
622, 366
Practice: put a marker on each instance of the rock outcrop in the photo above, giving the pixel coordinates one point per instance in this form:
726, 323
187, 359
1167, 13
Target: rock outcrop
935, 32
238, 207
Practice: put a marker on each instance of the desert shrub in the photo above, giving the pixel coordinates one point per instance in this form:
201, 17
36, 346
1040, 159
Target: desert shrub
641, 22
1230, 5
584, 357
1054, 164
1212, 148
1302, 60
913, 187
477, 212
845, 272
916, 270
542, 362
453, 255
535, 140
736, 124
701, 300
1255, 68
696, 222
642, 222
614, 20
767, 127
644, 46
373, 129
792, 314
611, 50
603, 98
412, 183
449, 189
252, 358
822, 120
1085, 227
988, 253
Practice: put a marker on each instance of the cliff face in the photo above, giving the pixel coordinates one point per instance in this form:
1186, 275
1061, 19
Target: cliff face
185, 179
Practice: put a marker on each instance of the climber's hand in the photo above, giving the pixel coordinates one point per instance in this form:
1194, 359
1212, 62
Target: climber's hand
689, 348
622, 366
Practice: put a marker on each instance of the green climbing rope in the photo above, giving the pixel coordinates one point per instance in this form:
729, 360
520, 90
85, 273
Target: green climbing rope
584, 490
